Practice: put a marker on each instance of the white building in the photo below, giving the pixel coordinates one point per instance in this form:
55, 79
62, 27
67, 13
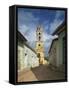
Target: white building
27, 57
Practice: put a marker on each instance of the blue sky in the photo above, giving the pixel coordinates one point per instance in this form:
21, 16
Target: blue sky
29, 19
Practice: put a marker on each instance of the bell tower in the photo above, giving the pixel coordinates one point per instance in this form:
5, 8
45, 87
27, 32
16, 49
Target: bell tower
40, 44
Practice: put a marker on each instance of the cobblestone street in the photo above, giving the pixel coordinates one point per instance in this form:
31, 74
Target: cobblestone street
42, 72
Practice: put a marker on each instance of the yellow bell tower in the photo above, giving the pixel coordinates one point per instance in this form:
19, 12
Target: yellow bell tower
40, 44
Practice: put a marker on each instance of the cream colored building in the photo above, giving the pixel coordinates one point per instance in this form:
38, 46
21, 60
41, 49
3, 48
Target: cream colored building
40, 44
27, 57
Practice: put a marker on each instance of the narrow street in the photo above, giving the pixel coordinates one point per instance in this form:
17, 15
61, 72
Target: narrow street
42, 72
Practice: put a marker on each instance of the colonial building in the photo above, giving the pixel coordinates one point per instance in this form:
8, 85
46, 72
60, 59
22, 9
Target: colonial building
53, 53
40, 44
58, 47
27, 57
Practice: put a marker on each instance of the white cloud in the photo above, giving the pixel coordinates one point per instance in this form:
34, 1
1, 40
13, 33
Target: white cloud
54, 25
23, 28
26, 18
29, 32
27, 24
48, 37
57, 21
31, 35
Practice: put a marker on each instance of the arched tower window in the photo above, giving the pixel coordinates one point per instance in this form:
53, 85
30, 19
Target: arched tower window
39, 38
38, 44
39, 33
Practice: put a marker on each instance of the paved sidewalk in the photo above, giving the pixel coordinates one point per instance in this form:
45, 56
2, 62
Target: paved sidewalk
27, 75
42, 72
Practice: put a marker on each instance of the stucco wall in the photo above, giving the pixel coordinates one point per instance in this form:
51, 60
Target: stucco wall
32, 59
26, 57
56, 53
53, 54
60, 46
20, 57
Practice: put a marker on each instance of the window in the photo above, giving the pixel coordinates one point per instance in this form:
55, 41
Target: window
39, 28
39, 33
39, 37
38, 55
25, 54
38, 44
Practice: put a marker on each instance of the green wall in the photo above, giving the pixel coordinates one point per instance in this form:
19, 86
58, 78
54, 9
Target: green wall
60, 47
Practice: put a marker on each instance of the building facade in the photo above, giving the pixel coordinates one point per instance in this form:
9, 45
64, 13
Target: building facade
40, 44
58, 47
27, 57
53, 53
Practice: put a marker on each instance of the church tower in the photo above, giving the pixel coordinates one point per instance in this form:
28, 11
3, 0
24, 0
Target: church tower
40, 44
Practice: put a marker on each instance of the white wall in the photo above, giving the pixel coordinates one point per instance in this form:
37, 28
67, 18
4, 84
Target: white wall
20, 57
30, 59
4, 44
26, 58
35, 60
